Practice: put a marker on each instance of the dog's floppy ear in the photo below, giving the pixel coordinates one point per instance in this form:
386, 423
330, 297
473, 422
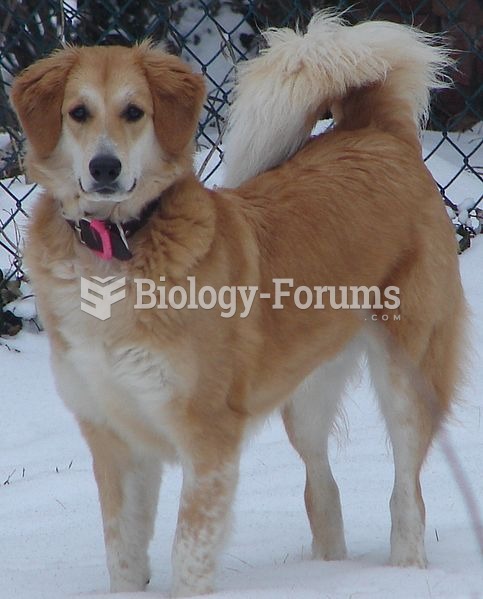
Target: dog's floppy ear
37, 95
178, 96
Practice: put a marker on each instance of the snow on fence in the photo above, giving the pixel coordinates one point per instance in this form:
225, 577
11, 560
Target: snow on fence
213, 36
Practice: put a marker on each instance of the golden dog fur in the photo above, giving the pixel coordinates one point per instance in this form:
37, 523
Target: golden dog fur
353, 206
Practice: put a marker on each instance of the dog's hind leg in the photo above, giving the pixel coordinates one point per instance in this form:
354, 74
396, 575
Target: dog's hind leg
414, 377
309, 420
409, 431
128, 486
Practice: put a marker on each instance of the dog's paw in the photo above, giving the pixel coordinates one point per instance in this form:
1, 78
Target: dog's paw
329, 554
128, 580
416, 559
190, 589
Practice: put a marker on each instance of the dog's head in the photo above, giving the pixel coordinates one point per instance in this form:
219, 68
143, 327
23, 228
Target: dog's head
109, 128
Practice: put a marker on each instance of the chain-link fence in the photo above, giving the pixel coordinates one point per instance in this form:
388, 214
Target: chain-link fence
213, 36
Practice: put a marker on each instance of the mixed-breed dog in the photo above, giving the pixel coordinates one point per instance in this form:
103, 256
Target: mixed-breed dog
110, 139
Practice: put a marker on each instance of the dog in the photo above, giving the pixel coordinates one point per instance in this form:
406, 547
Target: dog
110, 135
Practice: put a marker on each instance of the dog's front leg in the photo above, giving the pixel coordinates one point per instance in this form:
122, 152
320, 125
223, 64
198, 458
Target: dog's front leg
128, 486
210, 474
202, 525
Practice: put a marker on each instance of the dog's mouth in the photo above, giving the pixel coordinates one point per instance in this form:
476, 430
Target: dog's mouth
107, 190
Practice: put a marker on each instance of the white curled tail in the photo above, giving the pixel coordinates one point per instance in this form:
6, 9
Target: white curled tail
374, 73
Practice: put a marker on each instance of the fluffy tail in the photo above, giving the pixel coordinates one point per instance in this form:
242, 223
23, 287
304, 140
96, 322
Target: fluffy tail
375, 73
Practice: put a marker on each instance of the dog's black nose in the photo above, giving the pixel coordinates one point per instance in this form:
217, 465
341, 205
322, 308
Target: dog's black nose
105, 169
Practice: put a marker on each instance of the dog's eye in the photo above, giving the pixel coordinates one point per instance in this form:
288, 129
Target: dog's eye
79, 114
132, 113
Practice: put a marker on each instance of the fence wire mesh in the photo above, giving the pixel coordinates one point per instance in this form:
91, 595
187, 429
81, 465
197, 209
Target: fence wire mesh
213, 36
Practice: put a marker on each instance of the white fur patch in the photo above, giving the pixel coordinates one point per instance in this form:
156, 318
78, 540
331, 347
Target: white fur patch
98, 384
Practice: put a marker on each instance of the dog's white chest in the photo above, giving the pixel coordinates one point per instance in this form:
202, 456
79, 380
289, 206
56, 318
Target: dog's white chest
126, 388
105, 382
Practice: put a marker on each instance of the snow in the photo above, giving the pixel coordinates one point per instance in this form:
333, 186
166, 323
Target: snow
51, 531
24, 307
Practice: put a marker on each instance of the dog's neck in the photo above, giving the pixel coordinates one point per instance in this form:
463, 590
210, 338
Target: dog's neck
109, 239
186, 210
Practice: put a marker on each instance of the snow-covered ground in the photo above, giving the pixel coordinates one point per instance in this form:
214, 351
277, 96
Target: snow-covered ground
50, 527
